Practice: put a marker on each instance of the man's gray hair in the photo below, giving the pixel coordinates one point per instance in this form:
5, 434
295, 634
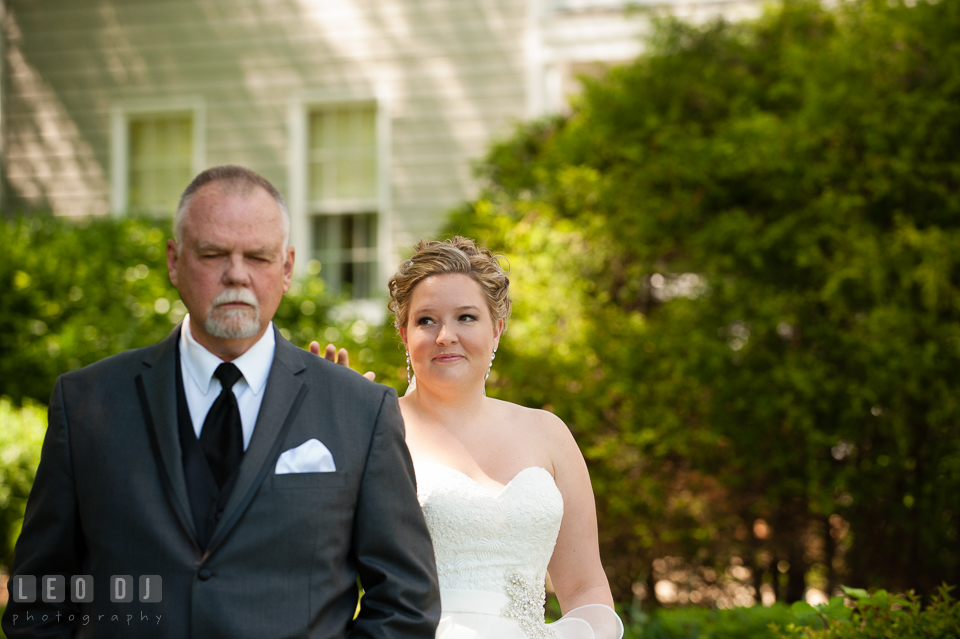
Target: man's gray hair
235, 180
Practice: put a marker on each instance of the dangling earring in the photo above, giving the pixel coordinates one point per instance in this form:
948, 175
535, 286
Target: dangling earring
489, 368
408, 369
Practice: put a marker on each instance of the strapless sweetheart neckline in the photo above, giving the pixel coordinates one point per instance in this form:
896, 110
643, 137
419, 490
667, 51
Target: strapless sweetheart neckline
474, 482
492, 549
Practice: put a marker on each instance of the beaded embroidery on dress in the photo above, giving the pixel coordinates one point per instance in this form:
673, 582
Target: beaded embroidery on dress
492, 550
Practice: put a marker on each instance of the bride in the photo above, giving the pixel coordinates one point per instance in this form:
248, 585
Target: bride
504, 489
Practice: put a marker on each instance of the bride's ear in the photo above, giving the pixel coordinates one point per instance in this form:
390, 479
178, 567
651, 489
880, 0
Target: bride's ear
403, 336
498, 333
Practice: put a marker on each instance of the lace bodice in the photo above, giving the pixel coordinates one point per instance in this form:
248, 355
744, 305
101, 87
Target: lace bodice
486, 541
492, 551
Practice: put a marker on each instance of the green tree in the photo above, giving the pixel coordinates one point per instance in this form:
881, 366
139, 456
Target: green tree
75, 293
21, 434
738, 281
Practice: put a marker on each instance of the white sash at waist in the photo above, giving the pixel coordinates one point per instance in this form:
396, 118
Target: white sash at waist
591, 621
471, 601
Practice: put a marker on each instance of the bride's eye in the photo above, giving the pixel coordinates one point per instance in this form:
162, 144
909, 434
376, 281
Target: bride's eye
424, 321
468, 318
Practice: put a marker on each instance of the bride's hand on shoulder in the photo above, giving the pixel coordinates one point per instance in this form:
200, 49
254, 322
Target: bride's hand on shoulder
575, 568
341, 357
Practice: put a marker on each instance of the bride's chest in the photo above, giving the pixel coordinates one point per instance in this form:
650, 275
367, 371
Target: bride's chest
468, 521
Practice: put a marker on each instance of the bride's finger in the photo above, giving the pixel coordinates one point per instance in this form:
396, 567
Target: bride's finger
341, 357
330, 353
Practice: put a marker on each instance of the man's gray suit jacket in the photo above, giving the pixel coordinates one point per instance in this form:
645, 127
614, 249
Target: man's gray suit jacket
110, 498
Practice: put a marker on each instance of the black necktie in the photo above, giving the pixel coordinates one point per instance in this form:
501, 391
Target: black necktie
222, 434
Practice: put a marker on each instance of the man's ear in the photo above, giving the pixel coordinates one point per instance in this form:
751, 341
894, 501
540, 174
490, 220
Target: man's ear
172, 263
288, 256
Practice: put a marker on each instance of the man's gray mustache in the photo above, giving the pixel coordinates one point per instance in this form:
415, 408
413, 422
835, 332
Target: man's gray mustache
232, 295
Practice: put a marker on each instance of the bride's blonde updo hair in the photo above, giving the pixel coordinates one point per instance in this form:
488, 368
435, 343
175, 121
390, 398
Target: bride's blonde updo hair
456, 255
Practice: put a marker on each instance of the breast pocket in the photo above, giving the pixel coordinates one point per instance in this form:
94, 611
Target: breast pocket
292, 481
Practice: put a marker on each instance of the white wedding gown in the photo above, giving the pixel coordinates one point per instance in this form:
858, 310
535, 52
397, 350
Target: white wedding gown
492, 551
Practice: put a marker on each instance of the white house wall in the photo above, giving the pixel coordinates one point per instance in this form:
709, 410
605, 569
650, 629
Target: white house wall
454, 71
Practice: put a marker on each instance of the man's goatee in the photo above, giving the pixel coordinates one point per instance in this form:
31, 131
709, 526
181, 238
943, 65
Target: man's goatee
233, 323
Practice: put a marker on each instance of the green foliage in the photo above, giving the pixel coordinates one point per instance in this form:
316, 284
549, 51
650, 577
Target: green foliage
703, 623
305, 315
21, 435
877, 615
75, 293
736, 269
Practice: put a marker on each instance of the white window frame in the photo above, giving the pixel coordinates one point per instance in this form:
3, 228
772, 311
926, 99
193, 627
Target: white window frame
299, 107
557, 36
120, 116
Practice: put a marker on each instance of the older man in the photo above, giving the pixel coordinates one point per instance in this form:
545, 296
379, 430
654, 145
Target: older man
223, 483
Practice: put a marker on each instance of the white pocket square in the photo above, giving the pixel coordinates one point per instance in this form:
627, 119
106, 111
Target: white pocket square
309, 457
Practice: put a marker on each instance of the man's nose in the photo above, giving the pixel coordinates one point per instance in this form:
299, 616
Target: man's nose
236, 272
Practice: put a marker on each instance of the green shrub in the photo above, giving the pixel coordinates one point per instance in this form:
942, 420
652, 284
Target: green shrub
75, 293
691, 622
878, 615
21, 435
306, 315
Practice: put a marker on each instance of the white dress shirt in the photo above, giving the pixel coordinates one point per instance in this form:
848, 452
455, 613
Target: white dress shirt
197, 366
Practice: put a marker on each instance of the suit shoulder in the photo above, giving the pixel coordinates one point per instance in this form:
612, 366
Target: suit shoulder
121, 363
340, 376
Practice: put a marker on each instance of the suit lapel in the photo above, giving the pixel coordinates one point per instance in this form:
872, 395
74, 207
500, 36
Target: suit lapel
281, 401
158, 398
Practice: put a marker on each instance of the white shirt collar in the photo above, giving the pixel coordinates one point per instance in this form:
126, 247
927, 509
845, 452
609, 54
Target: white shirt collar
201, 364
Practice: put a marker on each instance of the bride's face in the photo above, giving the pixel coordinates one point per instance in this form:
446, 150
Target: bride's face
450, 333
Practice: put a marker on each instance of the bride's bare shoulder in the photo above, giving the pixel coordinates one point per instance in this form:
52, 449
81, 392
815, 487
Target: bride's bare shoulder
541, 430
537, 423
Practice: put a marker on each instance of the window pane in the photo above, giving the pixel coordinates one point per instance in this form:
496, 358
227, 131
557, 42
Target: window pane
318, 173
365, 232
368, 130
342, 154
342, 170
346, 178
360, 280
185, 143
160, 161
317, 140
346, 247
367, 176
